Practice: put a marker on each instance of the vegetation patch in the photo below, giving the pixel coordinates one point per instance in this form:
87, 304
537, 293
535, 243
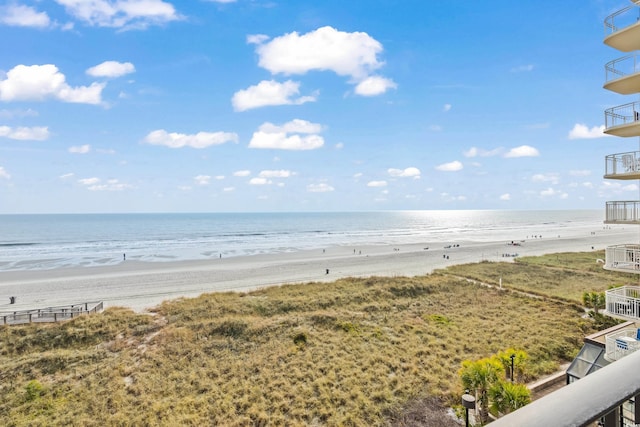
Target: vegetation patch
358, 352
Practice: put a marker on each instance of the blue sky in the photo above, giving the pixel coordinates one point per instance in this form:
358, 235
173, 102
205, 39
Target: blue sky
297, 105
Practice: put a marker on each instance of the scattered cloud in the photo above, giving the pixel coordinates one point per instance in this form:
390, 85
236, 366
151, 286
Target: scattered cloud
505, 197
522, 151
550, 192
66, 176
581, 131
111, 69
377, 184
259, 181
446, 107
129, 14
553, 178
38, 133
354, 55
319, 188
275, 174
479, 152
450, 167
41, 82
242, 173
80, 149
410, 172
257, 38
374, 85
278, 137
17, 113
17, 15
229, 189
96, 184
198, 140
269, 92
202, 179
583, 172
4, 174
522, 68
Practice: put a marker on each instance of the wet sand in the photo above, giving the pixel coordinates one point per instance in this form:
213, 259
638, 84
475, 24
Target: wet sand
141, 285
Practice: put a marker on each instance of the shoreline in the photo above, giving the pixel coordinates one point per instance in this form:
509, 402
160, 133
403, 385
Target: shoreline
142, 285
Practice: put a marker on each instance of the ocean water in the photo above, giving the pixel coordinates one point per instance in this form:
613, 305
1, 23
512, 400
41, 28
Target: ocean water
54, 241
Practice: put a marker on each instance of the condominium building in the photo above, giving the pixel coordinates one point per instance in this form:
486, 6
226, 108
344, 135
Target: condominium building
604, 379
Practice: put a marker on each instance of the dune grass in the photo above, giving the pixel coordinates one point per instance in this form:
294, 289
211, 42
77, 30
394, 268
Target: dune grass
354, 352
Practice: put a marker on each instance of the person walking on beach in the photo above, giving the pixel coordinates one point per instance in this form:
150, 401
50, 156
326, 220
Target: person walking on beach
124, 257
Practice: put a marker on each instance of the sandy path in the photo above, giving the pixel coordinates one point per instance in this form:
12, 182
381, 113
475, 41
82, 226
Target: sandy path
141, 285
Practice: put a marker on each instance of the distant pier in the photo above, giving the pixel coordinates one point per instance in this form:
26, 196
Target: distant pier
50, 314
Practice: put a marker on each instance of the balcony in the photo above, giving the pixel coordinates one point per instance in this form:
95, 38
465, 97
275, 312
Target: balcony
623, 120
622, 165
623, 258
622, 343
623, 301
622, 29
622, 75
623, 212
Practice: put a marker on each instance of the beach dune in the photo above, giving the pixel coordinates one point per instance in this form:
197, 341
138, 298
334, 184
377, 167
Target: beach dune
142, 285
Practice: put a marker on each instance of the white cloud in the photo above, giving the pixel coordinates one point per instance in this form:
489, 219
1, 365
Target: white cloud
111, 69
581, 131
40, 82
405, 173
550, 192
202, 179
479, 152
377, 184
66, 176
583, 172
4, 174
522, 151
229, 189
80, 149
89, 181
17, 15
553, 178
109, 185
269, 92
276, 174
38, 133
435, 128
374, 85
10, 114
198, 140
450, 167
320, 188
522, 68
277, 137
505, 197
259, 181
346, 54
127, 14
257, 38
446, 107
242, 173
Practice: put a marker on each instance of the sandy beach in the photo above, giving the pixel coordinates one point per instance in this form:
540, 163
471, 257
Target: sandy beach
141, 285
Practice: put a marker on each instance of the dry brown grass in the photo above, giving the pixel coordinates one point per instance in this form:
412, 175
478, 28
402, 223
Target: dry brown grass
354, 352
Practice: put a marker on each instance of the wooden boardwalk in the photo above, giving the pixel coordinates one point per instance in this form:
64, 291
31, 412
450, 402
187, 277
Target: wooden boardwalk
50, 314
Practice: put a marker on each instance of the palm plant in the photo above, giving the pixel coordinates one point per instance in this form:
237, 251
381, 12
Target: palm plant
479, 376
507, 396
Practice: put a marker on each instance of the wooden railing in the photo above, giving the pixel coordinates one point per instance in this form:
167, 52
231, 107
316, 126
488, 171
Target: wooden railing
50, 314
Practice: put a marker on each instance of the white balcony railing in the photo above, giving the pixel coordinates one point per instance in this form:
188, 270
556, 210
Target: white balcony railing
623, 212
623, 301
622, 75
622, 165
621, 343
620, 20
622, 116
623, 258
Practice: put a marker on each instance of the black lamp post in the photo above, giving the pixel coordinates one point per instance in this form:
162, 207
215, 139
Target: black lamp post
468, 402
512, 357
